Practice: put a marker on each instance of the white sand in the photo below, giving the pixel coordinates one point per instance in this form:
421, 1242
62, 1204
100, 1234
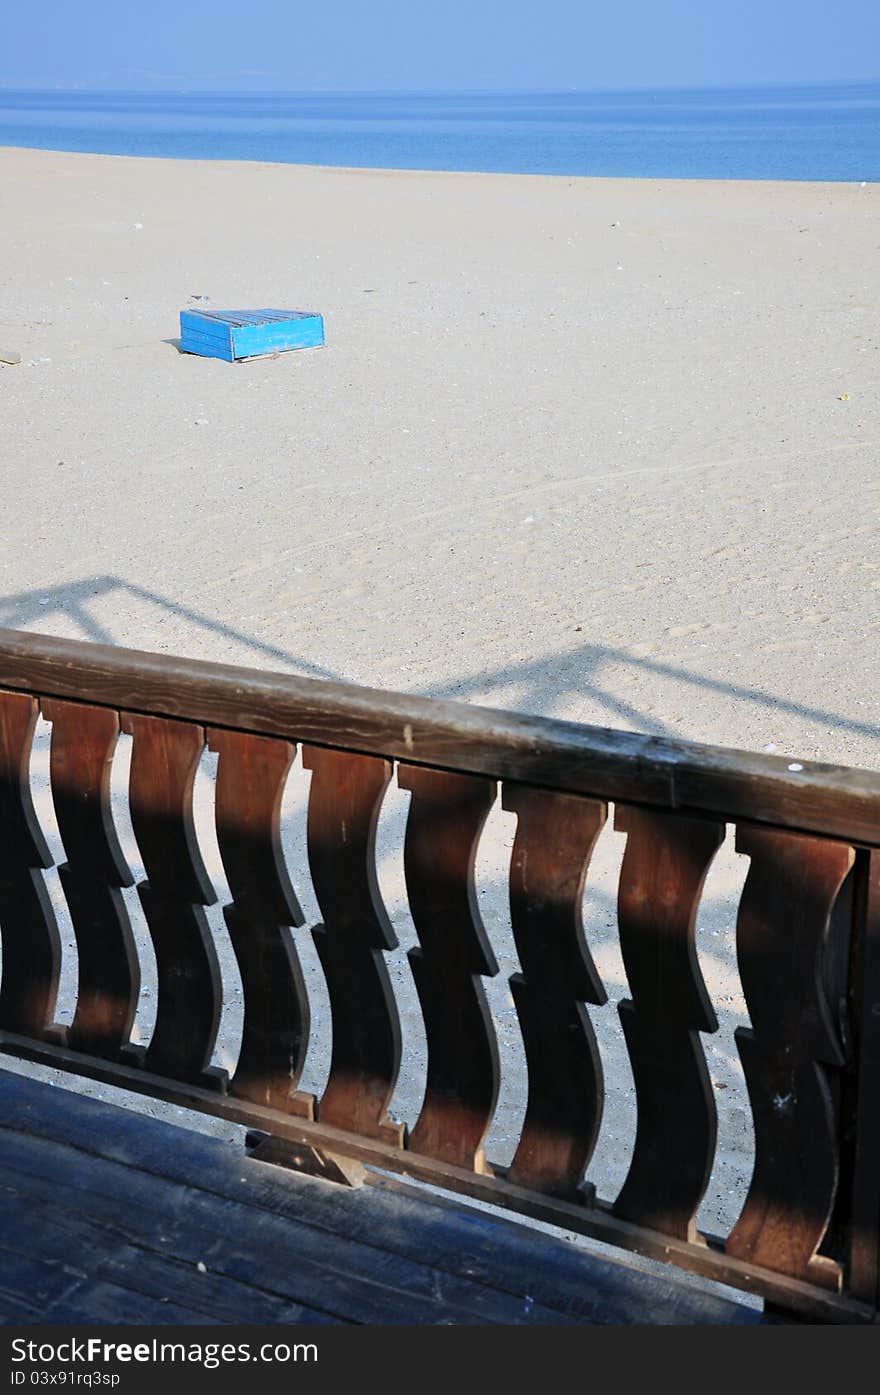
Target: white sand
573, 447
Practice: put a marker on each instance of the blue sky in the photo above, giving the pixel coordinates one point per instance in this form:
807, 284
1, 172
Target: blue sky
393, 45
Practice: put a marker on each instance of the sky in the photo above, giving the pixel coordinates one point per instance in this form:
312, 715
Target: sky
445, 45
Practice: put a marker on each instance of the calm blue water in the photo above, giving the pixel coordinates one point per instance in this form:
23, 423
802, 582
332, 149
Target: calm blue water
829, 132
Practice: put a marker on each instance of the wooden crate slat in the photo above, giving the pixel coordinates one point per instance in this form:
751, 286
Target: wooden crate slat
235, 334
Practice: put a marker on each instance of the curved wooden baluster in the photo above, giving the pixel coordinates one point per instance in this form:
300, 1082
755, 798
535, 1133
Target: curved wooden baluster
782, 929
445, 820
251, 773
664, 867
164, 760
31, 944
344, 801
83, 742
554, 840
862, 1202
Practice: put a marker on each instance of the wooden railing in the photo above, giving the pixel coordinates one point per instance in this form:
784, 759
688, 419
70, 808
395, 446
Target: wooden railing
808, 942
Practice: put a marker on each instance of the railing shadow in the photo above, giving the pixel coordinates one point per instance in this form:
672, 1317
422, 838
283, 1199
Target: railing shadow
544, 684
70, 600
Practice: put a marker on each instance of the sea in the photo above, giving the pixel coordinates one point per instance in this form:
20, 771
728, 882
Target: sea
816, 132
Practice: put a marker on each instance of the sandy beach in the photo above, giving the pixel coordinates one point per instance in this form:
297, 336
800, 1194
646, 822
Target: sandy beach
597, 449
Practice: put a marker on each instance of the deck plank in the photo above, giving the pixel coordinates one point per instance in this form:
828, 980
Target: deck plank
89, 1206
379, 1254
115, 1251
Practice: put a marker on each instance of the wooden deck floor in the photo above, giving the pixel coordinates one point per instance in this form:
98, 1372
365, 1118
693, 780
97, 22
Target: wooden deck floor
107, 1216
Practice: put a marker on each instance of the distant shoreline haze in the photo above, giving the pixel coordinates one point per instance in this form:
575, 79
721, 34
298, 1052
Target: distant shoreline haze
820, 131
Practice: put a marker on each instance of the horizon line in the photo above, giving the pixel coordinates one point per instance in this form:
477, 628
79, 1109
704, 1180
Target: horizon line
161, 89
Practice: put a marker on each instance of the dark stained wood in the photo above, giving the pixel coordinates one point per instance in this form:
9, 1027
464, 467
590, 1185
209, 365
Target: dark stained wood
664, 867
81, 754
413, 1223
251, 774
555, 837
165, 756
31, 944
105, 1214
140, 1200
52, 1290
598, 1222
838, 971
446, 817
811, 1060
863, 1201
54, 1221
553, 1277
344, 801
300, 1158
595, 761
246, 1252
782, 928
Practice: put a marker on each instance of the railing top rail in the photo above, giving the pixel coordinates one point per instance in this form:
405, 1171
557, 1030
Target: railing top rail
828, 800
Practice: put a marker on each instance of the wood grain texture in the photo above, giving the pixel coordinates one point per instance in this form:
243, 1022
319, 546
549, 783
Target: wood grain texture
864, 1124
251, 774
394, 1216
446, 817
782, 929
165, 756
811, 1059
838, 972
594, 761
344, 802
486, 1259
31, 944
598, 1222
555, 837
664, 867
84, 740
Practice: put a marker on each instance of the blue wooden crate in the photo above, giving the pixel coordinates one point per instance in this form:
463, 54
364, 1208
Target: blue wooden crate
233, 334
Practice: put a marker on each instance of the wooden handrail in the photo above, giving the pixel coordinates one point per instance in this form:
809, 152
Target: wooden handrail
830, 800
808, 945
